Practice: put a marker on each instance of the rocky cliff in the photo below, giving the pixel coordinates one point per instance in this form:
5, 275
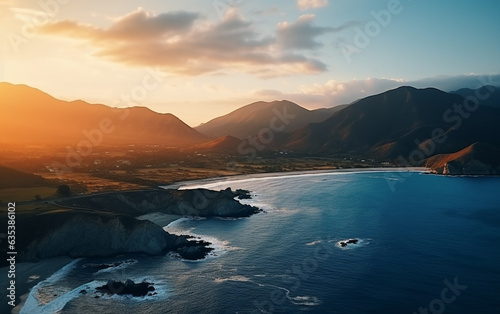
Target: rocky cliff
104, 224
99, 235
90, 234
197, 202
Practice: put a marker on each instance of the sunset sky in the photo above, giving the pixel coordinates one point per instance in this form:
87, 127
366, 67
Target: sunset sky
200, 59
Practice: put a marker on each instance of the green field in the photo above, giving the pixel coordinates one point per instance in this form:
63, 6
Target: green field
26, 194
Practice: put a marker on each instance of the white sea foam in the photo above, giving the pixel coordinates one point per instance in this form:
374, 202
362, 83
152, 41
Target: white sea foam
123, 265
304, 300
33, 304
33, 277
57, 304
182, 227
236, 278
361, 243
63, 272
314, 242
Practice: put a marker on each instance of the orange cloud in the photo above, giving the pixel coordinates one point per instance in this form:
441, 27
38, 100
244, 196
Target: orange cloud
184, 43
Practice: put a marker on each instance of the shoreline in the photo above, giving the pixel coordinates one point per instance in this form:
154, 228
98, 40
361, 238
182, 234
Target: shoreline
47, 267
28, 275
159, 218
192, 184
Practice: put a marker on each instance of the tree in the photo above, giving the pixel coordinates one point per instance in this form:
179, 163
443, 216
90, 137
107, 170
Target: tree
64, 190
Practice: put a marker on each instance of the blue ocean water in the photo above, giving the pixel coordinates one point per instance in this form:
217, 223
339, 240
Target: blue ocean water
426, 243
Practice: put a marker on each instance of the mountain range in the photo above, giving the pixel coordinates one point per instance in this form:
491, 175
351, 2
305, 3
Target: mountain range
398, 122
38, 118
247, 121
408, 125
488, 95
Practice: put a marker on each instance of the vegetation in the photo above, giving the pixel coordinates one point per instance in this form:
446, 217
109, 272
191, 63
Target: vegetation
64, 190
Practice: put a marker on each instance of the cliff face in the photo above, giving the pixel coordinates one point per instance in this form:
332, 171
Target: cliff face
98, 235
104, 224
471, 167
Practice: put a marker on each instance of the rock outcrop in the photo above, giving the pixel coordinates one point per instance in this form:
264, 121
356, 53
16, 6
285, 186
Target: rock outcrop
197, 202
104, 224
81, 235
347, 242
127, 288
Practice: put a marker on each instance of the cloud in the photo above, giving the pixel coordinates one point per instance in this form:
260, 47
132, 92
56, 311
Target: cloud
272, 11
311, 4
333, 93
185, 43
302, 33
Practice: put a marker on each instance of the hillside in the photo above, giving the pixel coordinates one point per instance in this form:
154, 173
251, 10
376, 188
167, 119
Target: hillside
488, 95
12, 178
226, 144
395, 123
476, 159
34, 117
251, 119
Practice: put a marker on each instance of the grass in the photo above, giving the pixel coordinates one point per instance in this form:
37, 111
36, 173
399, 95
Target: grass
26, 194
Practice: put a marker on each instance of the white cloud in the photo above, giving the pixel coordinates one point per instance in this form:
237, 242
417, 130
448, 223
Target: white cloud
311, 4
333, 93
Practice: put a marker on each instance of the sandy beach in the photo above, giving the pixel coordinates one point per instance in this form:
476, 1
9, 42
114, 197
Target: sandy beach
192, 184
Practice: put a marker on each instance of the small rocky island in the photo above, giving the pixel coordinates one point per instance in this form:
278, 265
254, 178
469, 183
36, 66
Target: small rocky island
348, 242
128, 287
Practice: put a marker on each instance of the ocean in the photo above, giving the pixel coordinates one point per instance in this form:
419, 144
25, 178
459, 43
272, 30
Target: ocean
427, 244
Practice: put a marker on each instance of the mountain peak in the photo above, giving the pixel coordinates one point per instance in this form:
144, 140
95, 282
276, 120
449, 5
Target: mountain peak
249, 120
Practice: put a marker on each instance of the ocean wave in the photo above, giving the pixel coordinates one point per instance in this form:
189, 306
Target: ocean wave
301, 300
314, 242
122, 265
62, 273
305, 300
236, 278
57, 304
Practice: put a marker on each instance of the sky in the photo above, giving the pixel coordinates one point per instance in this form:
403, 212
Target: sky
199, 59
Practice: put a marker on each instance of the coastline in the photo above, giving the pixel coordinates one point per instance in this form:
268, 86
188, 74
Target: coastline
46, 267
28, 275
161, 219
192, 184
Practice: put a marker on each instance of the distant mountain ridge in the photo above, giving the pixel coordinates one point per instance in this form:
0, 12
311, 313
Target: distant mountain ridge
408, 123
405, 123
487, 95
38, 118
249, 120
